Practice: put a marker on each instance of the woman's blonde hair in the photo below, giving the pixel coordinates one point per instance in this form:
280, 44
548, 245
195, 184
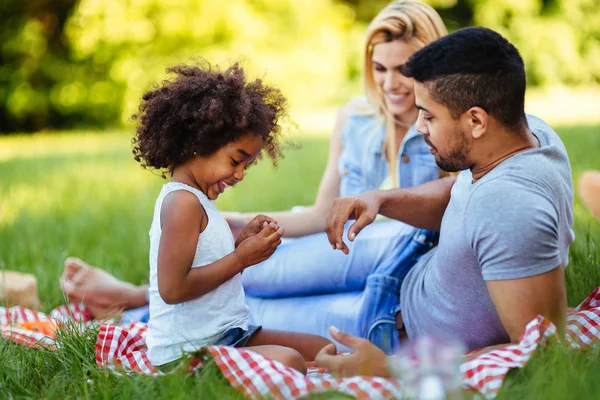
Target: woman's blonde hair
415, 23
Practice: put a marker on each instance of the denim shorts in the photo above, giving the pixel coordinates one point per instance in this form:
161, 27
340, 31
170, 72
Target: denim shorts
237, 337
234, 337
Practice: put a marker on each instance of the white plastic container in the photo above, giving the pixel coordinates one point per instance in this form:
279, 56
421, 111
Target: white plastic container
428, 369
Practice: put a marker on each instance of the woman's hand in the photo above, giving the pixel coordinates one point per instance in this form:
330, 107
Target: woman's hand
257, 248
252, 228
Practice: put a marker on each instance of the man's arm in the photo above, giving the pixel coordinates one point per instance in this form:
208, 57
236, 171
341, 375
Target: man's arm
518, 301
514, 229
422, 206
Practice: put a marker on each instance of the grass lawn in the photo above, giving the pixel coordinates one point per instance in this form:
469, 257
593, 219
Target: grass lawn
82, 194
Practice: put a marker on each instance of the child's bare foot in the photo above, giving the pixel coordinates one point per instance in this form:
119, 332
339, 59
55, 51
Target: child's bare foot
101, 293
589, 191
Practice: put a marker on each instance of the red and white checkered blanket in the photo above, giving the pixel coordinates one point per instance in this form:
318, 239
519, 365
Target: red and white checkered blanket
123, 348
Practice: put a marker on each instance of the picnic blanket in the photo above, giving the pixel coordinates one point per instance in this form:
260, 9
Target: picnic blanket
123, 349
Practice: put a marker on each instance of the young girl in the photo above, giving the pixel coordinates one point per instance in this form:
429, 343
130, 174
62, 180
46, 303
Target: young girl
204, 128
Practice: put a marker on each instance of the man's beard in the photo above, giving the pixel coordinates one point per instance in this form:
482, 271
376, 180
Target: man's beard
457, 159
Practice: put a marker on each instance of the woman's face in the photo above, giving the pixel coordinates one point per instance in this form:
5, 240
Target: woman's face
397, 90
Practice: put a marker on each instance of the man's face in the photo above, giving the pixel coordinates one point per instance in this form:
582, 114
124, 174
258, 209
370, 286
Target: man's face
447, 137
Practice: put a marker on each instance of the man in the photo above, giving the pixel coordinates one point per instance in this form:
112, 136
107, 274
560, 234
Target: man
505, 221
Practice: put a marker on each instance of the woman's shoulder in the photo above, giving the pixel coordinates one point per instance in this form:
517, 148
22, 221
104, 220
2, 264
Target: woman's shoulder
358, 107
358, 115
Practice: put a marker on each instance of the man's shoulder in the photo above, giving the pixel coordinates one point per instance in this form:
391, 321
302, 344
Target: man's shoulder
505, 188
548, 137
543, 171
520, 181
508, 200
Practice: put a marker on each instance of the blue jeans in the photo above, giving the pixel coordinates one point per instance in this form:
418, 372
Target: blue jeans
306, 286
308, 265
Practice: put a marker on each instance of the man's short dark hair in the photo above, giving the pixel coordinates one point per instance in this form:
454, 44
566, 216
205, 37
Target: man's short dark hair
473, 67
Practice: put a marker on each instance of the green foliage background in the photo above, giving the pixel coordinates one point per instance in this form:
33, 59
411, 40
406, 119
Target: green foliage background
73, 63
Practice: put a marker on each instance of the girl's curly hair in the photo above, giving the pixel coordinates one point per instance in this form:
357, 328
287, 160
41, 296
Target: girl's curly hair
201, 110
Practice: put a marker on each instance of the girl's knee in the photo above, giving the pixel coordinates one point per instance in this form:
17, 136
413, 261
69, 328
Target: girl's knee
290, 358
296, 361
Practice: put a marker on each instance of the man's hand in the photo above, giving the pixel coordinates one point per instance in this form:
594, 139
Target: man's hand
363, 208
366, 360
252, 228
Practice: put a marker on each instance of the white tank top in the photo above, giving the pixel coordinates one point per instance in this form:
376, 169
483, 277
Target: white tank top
178, 328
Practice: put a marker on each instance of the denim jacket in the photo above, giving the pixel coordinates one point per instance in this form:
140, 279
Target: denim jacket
363, 165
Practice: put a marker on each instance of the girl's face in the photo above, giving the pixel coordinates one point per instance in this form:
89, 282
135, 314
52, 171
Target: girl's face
226, 167
396, 89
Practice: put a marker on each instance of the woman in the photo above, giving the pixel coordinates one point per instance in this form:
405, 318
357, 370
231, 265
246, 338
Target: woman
306, 285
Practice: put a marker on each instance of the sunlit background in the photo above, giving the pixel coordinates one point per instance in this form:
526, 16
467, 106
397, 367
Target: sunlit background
69, 63
72, 73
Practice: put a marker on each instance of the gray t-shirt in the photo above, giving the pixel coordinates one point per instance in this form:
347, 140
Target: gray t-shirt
515, 222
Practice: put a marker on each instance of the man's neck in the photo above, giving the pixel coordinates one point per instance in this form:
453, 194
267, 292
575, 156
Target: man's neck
502, 145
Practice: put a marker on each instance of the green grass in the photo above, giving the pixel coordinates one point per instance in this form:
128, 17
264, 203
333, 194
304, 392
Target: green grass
82, 194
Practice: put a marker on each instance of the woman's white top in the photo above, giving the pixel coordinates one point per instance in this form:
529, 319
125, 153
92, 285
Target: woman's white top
178, 328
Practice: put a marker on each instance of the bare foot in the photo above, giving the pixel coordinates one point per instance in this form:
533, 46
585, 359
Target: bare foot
102, 294
589, 191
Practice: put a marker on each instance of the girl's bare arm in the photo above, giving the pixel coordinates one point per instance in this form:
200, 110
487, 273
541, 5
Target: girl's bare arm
183, 219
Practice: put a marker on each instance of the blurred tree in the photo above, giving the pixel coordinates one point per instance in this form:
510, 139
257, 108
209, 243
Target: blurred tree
87, 62
301, 46
558, 39
30, 35
40, 84
456, 13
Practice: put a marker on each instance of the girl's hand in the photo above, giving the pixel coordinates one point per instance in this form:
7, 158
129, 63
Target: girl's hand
252, 228
259, 247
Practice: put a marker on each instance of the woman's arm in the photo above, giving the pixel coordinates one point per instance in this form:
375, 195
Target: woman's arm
311, 219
